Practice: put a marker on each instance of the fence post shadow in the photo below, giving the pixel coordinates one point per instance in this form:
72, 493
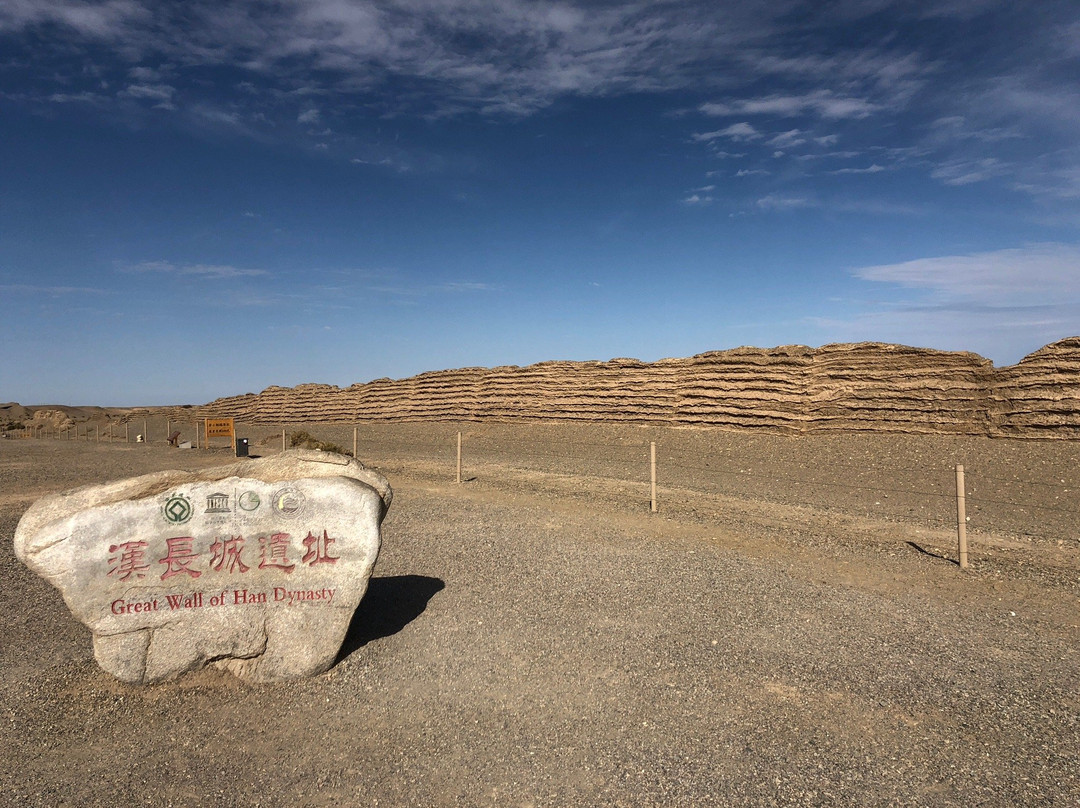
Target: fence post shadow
389, 604
926, 552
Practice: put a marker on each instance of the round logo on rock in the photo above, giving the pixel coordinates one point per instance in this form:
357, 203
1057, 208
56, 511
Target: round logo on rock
249, 501
288, 502
177, 509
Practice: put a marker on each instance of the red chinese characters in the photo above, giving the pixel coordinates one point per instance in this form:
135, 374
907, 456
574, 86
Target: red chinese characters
318, 550
274, 552
130, 559
226, 553
179, 558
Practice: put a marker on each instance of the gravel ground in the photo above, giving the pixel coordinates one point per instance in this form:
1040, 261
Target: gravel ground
790, 629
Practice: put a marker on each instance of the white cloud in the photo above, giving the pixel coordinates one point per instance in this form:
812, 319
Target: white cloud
291, 59
1038, 274
98, 20
94, 99
1055, 183
161, 93
1004, 338
52, 291
1001, 304
782, 202
419, 289
145, 75
871, 169
465, 286
210, 271
217, 117
738, 132
698, 199
787, 140
508, 57
824, 103
834, 155
750, 172
966, 172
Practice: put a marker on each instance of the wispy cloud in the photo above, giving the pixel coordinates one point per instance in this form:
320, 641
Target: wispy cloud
297, 68
420, 289
957, 127
1001, 304
1038, 274
510, 57
870, 169
738, 132
104, 21
52, 291
85, 97
787, 140
1005, 337
966, 172
824, 103
782, 202
208, 271
162, 94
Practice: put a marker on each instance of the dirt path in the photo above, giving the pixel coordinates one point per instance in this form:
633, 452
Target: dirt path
536, 637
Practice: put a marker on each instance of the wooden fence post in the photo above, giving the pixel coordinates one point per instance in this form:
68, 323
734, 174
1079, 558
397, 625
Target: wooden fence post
282, 440
961, 518
458, 477
354, 441
652, 475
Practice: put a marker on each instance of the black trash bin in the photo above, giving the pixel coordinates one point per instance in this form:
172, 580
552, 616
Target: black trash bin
241, 447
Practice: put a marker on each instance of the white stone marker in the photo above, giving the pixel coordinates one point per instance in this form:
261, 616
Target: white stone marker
256, 567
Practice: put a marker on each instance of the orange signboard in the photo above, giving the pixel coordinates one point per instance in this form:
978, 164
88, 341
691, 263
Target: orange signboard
219, 428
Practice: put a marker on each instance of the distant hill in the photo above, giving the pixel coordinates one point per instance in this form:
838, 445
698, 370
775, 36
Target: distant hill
794, 389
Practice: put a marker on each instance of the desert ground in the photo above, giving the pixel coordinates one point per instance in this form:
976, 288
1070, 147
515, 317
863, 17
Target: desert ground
791, 628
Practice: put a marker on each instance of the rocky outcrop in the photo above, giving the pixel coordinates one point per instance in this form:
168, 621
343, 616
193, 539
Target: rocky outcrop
794, 389
256, 567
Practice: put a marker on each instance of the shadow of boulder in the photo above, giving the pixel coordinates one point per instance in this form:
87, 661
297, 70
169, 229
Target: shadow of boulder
388, 606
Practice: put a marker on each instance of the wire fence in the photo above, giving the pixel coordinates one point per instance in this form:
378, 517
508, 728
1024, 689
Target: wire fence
660, 468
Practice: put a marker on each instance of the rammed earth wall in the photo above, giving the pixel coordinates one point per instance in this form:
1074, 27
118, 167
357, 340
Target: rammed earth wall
794, 389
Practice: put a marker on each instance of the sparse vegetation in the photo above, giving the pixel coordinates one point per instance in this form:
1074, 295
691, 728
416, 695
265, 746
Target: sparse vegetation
305, 440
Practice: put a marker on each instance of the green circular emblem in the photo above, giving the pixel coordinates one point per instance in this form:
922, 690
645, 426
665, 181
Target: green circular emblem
177, 509
249, 501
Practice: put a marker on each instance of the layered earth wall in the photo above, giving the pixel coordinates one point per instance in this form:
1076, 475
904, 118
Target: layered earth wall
794, 389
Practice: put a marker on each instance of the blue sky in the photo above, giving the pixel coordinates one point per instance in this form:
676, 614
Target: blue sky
201, 199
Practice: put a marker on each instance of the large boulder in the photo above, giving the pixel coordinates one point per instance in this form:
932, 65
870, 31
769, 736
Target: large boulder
256, 567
